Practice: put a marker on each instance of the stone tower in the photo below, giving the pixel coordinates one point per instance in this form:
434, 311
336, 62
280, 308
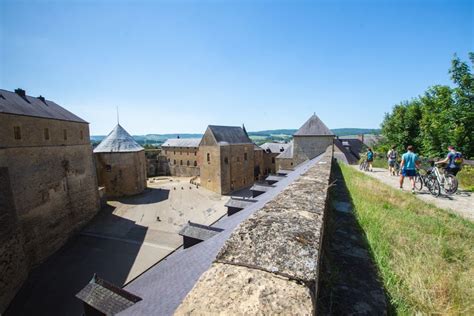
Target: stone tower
120, 163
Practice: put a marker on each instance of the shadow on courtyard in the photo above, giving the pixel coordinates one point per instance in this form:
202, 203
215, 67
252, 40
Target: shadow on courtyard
149, 196
51, 287
349, 283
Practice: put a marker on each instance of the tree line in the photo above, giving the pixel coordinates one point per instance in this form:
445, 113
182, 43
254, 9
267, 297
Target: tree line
440, 117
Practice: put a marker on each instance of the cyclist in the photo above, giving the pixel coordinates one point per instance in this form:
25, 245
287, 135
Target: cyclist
392, 160
453, 160
410, 162
370, 159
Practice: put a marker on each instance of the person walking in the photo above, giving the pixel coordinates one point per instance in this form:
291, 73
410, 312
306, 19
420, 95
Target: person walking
370, 158
392, 156
410, 162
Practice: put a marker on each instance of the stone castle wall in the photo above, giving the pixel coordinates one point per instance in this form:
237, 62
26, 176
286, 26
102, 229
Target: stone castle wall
270, 264
308, 147
121, 173
211, 169
49, 191
182, 161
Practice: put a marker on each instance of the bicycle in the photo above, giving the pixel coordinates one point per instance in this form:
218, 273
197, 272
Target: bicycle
364, 165
448, 182
428, 180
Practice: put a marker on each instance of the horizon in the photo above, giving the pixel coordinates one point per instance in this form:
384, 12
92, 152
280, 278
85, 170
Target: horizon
182, 66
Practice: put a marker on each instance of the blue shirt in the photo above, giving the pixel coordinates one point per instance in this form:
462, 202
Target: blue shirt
410, 160
451, 163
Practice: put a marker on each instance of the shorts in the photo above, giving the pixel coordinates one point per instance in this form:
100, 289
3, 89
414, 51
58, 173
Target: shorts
370, 160
391, 163
408, 173
453, 171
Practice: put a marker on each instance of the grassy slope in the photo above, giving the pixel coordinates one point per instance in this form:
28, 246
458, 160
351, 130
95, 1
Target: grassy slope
425, 255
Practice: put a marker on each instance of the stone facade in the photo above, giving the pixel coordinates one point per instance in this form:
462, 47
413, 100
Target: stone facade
225, 167
284, 163
49, 191
271, 262
182, 161
122, 173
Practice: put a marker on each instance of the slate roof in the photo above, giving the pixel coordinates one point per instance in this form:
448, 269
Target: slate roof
275, 148
259, 187
106, 297
239, 203
351, 158
182, 142
118, 141
198, 231
274, 178
288, 153
284, 172
12, 103
313, 127
229, 134
164, 286
356, 146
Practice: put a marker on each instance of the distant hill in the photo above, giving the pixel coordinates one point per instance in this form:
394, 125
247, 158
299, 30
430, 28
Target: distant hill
259, 137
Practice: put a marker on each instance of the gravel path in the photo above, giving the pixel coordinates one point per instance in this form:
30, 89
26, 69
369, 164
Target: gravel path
461, 203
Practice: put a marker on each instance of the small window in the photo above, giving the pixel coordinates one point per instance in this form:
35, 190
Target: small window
208, 157
17, 132
81, 135
166, 153
187, 153
46, 133
65, 134
273, 160
291, 164
174, 152
187, 163
181, 162
195, 163
168, 160
195, 153
226, 160
174, 162
245, 156
108, 168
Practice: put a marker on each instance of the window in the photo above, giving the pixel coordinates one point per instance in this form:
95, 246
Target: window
65, 134
166, 153
195, 163
226, 160
291, 164
181, 162
168, 160
187, 153
208, 157
174, 162
108, 168
17, 132
46, 133
273, 160
195, 153
174, 152
187, 163
245, 156
81, 135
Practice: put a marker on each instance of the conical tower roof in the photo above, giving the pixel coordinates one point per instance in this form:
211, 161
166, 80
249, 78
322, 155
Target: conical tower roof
118, 141
314, 127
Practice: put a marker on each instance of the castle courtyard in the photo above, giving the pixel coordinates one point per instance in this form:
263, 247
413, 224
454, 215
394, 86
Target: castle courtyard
126, 238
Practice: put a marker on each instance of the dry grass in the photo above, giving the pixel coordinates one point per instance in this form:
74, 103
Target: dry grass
425, 255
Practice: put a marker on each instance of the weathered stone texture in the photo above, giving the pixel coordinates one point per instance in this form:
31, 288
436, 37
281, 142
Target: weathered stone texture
234, 290
284, 164
183, 161
281, 241
121, 173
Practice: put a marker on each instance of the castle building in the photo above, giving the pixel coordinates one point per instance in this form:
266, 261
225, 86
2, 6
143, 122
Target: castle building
182, 155
272, 151
227, 159
48, 185
309, 141
121, 164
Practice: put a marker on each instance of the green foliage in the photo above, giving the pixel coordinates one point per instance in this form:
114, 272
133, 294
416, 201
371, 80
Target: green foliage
442, 116
466, 178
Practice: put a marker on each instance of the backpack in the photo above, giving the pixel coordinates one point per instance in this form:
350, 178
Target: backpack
370, 155
392, 155
457, 159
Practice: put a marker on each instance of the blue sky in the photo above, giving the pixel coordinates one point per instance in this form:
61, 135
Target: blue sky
177, 66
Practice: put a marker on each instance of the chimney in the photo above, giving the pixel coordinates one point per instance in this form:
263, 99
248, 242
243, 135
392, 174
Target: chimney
41, 98
22, 94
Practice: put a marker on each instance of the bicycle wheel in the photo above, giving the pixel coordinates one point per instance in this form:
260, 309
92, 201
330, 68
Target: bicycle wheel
361, 166
433, 186
450, 184
419, 182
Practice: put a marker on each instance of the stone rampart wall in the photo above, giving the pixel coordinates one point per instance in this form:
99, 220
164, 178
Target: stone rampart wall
270, 264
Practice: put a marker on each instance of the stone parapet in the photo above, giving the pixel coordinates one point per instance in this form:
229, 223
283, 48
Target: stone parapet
270, 263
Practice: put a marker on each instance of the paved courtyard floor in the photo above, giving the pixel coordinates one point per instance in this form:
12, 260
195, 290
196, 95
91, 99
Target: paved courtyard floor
121, 242
461, 203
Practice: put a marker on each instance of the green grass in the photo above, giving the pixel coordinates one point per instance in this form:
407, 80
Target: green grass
425, 255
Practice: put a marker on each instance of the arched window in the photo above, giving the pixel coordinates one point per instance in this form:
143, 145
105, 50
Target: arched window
208, 157
195, 163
